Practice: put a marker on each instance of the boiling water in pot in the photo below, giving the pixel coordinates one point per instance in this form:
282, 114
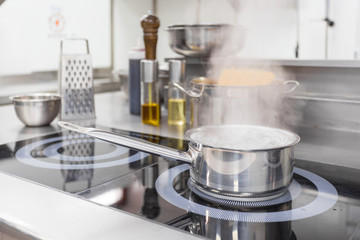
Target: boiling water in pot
242, 137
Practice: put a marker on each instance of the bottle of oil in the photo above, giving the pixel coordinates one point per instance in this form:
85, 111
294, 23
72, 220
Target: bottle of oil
150, 99
176, 98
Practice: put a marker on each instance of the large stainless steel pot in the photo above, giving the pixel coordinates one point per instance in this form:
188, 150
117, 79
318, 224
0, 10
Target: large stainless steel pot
218, 104
234, 162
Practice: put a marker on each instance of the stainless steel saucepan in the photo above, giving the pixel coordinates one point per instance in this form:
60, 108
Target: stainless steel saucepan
235, 162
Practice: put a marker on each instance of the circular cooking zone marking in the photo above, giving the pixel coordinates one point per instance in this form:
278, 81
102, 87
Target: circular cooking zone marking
325, 199
51, 152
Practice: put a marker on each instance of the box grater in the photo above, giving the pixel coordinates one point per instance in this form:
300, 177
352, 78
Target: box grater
76, 85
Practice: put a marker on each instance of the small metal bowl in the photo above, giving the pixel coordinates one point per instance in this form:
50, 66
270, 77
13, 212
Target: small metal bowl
37, 109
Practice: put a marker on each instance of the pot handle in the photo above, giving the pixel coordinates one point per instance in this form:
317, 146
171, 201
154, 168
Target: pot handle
194, 93
291, 82
130, 142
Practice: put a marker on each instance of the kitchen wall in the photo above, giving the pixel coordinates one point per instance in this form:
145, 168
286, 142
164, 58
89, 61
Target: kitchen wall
127, 28
273, 27
261, 32
343, 41
30, 32
30, 38
270, 29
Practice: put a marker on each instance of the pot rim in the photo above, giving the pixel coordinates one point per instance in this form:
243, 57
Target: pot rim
212, 83
189, 132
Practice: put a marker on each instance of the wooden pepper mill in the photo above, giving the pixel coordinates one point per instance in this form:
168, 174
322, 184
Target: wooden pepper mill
150, 24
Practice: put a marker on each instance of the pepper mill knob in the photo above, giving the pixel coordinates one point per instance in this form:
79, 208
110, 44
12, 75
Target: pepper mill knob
150, 24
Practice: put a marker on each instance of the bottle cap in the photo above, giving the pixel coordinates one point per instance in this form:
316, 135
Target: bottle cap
176, 71
149, 70
137, 52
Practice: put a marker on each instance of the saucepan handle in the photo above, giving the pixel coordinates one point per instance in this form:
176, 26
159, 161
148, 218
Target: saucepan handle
130, 142
294, 84
194, 93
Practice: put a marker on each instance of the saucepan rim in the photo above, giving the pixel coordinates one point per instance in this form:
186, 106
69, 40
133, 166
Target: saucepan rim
188, 133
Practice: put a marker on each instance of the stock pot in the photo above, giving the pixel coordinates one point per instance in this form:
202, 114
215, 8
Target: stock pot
234, 162
222, 104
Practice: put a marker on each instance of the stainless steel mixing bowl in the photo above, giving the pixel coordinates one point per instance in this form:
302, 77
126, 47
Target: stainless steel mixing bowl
199, 40
37, 109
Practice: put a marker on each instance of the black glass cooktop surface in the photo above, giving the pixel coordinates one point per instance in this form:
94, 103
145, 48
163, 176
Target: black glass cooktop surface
324, 200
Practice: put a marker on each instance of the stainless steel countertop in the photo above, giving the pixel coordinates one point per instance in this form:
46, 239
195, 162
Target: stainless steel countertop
112, 110
50, 214
25, 205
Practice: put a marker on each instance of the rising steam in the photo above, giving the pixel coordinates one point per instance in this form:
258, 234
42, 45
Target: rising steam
252, 91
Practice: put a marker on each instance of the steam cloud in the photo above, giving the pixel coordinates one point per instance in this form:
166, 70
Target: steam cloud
253, 105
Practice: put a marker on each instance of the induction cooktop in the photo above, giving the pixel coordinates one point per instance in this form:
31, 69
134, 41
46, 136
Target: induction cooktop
323, 201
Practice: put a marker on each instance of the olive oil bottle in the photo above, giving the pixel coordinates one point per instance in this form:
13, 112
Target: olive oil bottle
176, 111
150, 113
150, 99
176, 98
